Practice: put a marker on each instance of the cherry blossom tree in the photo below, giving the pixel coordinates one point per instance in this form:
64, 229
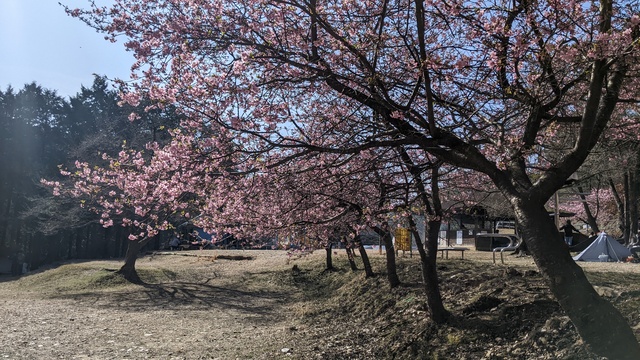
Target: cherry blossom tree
214, 189
487, 86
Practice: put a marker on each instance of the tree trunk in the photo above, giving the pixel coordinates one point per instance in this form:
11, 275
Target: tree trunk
634, 189
350, 256
128, 270
70, 242
392, 274
428, 257
627, 208
79, 239
619, 203
4, 219
597, 321
428, 260
117, 251
329, 259
365, 260
591, 220
104, 254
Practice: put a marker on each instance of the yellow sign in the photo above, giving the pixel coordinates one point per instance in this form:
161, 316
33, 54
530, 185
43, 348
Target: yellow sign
403, 239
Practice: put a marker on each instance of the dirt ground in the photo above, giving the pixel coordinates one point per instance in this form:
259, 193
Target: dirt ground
199, 310
203, 306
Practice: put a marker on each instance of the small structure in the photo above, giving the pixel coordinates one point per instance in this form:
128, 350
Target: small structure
489, 242
445, 250
403, 239
604, 245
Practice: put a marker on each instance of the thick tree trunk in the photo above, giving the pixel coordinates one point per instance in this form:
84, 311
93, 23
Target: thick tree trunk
128, 269
428, 259
365, 260
598, 322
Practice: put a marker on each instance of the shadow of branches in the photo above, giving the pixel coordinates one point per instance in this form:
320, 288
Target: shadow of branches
260, 305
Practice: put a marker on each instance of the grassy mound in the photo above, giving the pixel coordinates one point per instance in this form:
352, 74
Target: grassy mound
87, 276
497, 313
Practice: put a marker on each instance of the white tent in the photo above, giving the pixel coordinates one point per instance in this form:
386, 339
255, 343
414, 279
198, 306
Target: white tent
604, 244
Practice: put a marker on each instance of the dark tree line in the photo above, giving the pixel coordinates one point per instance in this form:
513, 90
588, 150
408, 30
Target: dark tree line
41, 132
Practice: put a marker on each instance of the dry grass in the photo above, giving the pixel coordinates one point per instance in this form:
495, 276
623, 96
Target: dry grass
202, 305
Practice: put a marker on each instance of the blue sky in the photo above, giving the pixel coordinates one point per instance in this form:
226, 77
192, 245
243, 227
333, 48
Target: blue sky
40, 42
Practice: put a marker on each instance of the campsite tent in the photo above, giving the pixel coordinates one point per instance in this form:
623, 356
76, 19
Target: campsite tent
604, 244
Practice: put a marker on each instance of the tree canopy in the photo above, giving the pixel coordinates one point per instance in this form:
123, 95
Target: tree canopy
520, 91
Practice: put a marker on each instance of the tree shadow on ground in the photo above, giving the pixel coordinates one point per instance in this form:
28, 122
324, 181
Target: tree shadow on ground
507, 321
259, 305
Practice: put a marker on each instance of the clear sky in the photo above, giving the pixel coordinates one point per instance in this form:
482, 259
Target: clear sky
40, 42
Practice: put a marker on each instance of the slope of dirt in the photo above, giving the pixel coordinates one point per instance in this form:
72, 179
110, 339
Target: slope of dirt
266, 305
